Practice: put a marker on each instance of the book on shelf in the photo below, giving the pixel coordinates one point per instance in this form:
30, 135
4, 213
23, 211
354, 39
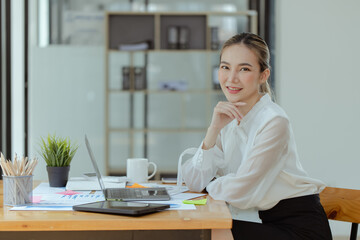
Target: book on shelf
173, 85
134, 46
126, 78
178, 37
214, 38
139, 78
184, 36
133, 78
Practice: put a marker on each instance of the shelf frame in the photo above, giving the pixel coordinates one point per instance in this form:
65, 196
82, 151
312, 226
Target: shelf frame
209, 92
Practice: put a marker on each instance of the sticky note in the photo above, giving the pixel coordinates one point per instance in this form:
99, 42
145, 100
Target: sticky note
196, 202
68, 192
36, 199
136, 185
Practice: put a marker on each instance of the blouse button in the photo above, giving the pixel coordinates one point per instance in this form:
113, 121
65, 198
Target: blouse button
243, 134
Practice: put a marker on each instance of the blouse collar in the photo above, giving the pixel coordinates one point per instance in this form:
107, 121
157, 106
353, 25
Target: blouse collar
264, 100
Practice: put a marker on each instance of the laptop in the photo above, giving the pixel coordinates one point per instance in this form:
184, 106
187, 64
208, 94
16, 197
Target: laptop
127, 194
116, 198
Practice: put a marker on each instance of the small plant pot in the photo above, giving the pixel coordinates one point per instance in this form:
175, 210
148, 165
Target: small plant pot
58, 176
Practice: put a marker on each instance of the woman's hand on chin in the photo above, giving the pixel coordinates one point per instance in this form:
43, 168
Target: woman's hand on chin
225, 112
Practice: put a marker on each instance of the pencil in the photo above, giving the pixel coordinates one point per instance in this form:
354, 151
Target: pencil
19, 167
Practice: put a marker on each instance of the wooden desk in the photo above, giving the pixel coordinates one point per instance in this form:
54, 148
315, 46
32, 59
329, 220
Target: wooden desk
211, 221
342, 205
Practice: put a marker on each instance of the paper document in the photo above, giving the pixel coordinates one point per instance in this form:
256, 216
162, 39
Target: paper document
60, 199
176, 202
57, 199
83, 184
172, 189
44, 188
187, 196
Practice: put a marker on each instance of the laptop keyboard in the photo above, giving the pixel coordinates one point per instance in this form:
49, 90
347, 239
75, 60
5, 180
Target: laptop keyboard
136, 193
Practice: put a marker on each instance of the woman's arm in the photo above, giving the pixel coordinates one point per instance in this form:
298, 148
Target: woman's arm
256, 174
224, 113
199, 170
202, 168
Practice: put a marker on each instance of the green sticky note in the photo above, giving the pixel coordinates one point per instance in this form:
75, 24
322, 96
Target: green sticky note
196, 202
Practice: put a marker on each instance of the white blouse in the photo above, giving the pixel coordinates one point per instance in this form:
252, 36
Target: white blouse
253, 165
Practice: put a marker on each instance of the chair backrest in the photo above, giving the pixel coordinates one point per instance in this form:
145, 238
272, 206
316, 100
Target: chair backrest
341, 204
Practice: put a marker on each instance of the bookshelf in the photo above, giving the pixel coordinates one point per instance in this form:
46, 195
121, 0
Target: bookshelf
159, 98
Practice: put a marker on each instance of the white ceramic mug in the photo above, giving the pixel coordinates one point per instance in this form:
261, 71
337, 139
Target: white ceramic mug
137, 169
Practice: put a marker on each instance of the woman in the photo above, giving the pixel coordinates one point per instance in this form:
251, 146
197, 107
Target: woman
248, 157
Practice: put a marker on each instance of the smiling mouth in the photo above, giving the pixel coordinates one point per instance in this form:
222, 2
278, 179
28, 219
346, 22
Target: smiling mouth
234, 88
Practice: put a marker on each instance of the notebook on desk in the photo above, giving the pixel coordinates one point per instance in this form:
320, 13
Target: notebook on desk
127, 194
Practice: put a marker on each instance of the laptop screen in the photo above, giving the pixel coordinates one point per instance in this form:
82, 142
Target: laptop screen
98, 175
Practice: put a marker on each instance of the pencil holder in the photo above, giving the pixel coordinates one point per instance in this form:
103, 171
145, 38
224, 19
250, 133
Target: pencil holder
17, 190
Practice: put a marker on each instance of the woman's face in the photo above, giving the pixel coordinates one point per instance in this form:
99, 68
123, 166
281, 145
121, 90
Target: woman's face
240, 75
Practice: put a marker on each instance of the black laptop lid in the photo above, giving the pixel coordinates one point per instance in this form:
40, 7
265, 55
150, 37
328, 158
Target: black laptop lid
122, 208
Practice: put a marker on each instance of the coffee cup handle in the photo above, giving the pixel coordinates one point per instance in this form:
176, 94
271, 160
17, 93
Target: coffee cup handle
155, 168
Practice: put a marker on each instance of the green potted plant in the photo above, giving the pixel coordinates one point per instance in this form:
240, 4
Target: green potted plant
57, 153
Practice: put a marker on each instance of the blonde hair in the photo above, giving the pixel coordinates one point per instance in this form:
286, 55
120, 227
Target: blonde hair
261, 50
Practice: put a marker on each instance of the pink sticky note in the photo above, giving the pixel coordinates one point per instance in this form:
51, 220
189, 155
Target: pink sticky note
36, 199
68, 192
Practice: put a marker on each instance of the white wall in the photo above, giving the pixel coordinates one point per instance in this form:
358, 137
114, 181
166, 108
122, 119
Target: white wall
66, 97
317, 82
